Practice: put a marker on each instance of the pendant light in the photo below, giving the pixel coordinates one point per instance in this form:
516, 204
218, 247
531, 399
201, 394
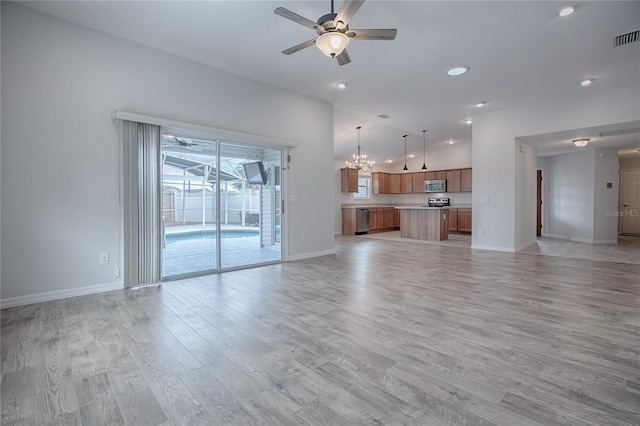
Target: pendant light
405, 154
424, 149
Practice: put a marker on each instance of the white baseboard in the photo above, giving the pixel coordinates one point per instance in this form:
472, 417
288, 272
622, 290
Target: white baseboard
605, 241
493, 248
60, 294
527, 244
312, 254
568, 238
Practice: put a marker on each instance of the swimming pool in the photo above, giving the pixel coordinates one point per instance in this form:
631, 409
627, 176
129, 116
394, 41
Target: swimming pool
210, 234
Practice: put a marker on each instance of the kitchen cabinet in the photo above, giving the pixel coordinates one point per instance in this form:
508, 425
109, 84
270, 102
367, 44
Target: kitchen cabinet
349, 221
349, 179
387, 220
396, 218
373, 219
464, 220
418, 182
465, 178
453, 180
380, 183
442, 174
429, 175
406, 183
395, 183
453, 219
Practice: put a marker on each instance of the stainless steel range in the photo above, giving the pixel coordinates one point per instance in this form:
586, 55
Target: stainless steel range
438, 202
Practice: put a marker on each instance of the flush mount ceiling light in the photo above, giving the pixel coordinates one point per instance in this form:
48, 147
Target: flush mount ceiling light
404, 169
332, 43
342, 85
468, 121
567, 10
586, 82
424, 149
458, 70
580, 142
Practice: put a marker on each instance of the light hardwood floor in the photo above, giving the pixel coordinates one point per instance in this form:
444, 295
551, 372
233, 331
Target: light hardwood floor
383, 332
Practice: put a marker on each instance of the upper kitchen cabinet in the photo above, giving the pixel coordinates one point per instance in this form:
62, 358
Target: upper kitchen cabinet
349, 180
442, 174
465, 177
418, 182
407, 183
395, 185
453, 180
429, 175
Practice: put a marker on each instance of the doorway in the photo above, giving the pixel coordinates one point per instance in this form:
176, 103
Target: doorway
630, 202
217, 214
539, 203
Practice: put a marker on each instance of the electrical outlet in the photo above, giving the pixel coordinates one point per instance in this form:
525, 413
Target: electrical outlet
484, 200
304, 238
104, 258
481, 231
116, 272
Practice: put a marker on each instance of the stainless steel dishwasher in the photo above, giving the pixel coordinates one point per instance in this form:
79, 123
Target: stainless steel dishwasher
362, 221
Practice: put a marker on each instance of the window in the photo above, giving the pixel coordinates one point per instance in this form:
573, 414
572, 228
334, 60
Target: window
364, 185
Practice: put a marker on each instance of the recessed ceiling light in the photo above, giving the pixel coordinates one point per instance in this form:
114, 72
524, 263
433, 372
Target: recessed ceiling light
468, 121
481, 104
389, 160
586, 82
384, 116
451, 142
342, 85
566, 11
411, 155
580, 142
459, 70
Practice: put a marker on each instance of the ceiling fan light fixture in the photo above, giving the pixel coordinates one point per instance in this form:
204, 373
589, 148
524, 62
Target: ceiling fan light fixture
332, 43
580, 142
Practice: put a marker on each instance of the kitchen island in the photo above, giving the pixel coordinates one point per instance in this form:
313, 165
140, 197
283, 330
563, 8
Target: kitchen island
424, 223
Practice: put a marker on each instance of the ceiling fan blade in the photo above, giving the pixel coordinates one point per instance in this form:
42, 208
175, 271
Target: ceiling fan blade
378, 34
346, 12
299, 47
285, 13
343, 58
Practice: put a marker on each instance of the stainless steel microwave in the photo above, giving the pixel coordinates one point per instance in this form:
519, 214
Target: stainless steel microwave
437, 185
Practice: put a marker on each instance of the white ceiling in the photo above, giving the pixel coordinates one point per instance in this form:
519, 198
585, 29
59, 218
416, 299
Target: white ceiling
520, 52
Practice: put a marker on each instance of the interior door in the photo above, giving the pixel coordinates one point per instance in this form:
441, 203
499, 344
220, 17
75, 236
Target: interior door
539, 203
630, 197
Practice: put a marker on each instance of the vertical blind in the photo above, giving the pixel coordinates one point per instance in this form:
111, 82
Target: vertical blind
141, 180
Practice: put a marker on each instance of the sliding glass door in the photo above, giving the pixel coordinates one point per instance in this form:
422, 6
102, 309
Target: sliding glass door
250, 207
220, 205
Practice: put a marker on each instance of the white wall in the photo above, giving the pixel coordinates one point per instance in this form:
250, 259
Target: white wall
605, 226
630, 163
61, 82
525, 186
570, 197
495, 169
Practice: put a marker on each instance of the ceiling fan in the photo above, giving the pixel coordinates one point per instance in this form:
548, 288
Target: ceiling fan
334, 32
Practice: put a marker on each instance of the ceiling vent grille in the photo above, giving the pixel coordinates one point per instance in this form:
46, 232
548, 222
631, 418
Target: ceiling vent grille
627, 38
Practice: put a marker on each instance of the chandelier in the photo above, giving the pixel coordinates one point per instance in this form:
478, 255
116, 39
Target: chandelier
360, 161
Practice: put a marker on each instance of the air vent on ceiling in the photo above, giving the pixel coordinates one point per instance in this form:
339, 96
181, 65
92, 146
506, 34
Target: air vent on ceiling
384, 116
627, 38
619, 132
